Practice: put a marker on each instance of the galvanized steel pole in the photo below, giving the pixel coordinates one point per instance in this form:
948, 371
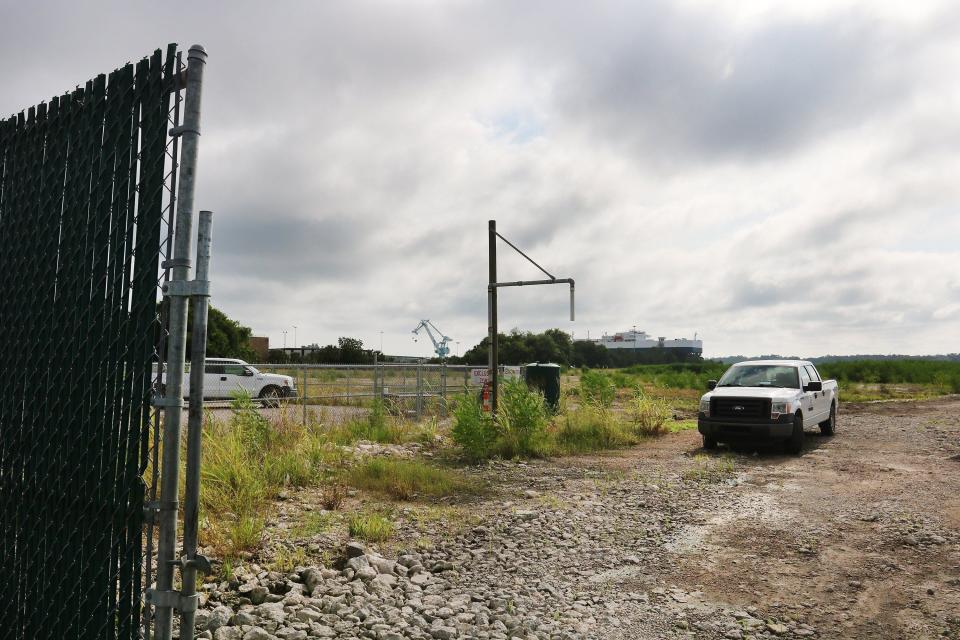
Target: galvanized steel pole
492, 312
191, 562
163, 598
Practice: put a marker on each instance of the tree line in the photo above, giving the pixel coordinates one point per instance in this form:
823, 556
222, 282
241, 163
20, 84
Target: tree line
227, 338
554, 345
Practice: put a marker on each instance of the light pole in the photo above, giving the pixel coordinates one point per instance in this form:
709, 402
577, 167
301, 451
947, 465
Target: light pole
458, 348
381, 342
284, 339
295, 343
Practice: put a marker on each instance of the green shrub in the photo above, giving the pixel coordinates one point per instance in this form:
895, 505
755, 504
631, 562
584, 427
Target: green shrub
522, 419
596, 388
473, 429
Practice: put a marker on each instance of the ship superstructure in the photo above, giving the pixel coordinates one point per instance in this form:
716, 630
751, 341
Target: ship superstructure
634, 339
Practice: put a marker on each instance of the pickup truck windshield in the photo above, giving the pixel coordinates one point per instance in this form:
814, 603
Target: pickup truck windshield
760, 375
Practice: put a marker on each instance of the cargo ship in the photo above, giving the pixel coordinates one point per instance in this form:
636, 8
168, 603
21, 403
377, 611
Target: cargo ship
637, 340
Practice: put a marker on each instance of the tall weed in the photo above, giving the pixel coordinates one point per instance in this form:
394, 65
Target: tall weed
596, 388
521, 421
473, 429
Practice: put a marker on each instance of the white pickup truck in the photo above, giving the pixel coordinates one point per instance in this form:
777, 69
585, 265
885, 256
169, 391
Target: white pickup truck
224, 378
768, 399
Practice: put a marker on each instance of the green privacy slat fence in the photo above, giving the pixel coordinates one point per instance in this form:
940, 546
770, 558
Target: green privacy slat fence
82, 182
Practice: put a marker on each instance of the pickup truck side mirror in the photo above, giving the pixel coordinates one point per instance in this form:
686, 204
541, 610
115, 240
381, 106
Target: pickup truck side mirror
813, 385
711, 384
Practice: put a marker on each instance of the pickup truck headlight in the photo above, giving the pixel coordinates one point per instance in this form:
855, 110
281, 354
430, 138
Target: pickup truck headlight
780, 407
705, 406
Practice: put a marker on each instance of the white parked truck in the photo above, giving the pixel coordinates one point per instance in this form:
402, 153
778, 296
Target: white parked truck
225, 378
768, 399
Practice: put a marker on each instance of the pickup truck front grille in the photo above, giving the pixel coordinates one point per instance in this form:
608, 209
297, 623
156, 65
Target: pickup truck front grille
745, 408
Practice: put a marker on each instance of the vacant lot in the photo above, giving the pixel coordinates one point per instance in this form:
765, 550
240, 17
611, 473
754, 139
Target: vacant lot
859, 537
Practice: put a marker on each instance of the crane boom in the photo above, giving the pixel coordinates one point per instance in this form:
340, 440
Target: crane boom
440, 342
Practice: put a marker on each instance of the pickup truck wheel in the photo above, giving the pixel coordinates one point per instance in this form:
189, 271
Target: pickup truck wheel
829, 426
709, 442
795, 443
270, 397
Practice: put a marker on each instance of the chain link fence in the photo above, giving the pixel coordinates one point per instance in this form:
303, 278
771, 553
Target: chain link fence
87, 185
413, 390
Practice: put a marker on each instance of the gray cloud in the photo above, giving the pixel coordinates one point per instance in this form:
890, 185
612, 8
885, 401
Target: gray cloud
761, 182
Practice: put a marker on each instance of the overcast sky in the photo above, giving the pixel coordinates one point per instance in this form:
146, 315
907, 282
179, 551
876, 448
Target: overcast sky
778, 180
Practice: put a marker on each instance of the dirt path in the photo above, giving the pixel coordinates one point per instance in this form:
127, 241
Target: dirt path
855, 538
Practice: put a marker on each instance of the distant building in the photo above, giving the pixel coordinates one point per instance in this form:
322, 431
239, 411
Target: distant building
642, 340
260, 346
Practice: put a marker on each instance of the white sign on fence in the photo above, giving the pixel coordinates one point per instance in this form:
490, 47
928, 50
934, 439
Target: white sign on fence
480, 376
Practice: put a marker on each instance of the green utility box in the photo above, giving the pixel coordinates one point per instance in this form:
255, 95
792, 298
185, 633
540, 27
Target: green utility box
545, 377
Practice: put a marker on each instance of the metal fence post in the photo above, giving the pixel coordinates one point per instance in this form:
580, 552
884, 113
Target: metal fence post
443, 389
191, 562
163, 598
419, 389
304, 392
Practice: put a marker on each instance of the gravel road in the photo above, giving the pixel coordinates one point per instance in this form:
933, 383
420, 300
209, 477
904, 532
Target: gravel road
858, 537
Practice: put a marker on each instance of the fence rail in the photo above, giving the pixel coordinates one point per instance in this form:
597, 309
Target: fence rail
415, 390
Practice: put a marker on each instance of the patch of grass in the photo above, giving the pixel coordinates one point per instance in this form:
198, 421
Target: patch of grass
248, 461
551, 501
424, 544
226, 572
286, 559
589, 427
371, 527
710, 469
681, 425
314, 523
404, 479
380, 426
648, 416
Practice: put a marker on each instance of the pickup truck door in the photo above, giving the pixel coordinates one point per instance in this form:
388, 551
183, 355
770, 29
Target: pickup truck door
212, 381
241, 379
807, 400
234, 380
821, 401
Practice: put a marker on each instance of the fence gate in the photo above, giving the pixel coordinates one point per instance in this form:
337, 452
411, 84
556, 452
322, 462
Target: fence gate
87, 195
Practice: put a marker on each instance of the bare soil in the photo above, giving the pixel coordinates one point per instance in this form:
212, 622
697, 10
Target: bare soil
857, 537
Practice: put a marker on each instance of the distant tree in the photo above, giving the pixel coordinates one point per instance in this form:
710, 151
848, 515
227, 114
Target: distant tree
352, 351
226, 338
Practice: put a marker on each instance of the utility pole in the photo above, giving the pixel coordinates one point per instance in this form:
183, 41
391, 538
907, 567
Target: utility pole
492, 287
